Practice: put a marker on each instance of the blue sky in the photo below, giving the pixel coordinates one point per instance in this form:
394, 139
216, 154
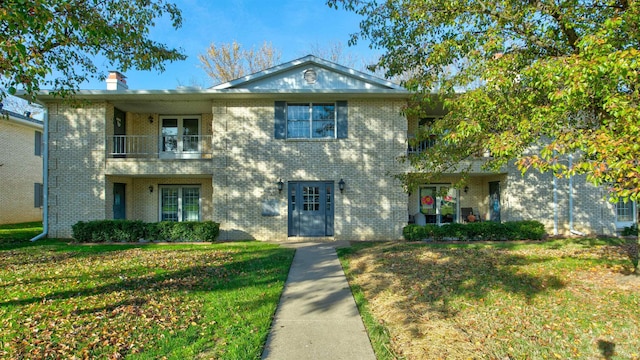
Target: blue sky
291, 26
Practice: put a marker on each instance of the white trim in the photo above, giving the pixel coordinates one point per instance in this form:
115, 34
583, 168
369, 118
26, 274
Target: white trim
310, 121
179, 153
634, 214
305, 62
438, 199
180, 188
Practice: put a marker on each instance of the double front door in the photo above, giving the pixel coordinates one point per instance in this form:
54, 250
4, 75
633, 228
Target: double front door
311, 208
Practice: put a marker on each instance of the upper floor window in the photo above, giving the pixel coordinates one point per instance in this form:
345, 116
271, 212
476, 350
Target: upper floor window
180, 136
311, 120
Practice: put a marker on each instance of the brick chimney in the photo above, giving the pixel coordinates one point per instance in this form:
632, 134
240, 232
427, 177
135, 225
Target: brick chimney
116, 81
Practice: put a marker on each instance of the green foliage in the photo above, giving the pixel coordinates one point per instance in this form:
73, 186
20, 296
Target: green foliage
486, 230
630, 230
541, 81
133, 231
55, 43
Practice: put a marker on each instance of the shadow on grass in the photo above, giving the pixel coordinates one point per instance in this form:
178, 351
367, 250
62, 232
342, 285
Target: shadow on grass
265, 268
435, 275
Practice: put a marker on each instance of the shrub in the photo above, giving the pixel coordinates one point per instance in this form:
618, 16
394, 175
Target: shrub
456, 231
487, 230
133, 230
630, 230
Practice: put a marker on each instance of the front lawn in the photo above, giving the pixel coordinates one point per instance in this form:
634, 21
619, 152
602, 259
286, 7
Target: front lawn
139, 301
564, 299
19, 233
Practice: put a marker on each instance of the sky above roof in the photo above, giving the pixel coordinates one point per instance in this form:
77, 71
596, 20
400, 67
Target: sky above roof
294, 27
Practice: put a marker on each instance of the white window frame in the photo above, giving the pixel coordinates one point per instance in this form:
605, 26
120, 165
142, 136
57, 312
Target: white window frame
180, 199
621, 224
179, 152
310, 105
438, 202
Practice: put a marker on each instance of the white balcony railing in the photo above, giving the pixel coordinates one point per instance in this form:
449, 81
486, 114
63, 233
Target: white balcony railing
167, 146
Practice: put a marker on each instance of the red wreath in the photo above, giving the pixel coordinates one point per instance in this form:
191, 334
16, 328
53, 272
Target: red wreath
427, 200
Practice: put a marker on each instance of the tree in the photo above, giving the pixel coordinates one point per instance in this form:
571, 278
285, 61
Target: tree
225, 62
334, 52
551, 85
54, 43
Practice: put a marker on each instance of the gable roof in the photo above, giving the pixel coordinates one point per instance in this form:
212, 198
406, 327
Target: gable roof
297, 79
309, 72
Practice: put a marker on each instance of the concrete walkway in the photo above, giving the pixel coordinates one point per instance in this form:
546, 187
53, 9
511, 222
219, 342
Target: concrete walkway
317, 317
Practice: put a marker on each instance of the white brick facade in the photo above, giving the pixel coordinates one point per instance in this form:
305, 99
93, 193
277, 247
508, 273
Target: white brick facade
20, 169
242, 161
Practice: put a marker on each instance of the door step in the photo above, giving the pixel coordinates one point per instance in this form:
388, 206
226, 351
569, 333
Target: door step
311, 239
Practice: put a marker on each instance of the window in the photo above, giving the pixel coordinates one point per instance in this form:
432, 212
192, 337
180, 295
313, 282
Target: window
321, 120
38, 143
179, 203
311, 121
38, 195
625, 214
180, 137
439, 204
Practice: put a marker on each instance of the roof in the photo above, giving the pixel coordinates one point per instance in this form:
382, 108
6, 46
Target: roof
21, 119
288, 81
337, 77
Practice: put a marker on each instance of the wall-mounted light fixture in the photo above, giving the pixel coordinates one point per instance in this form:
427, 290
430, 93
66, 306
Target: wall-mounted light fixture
280, 185
150, 119
150, 188
466, 189
341, 185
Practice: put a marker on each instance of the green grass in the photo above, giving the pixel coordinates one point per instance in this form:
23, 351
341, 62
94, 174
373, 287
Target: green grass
518, 300
184, 301
19, 233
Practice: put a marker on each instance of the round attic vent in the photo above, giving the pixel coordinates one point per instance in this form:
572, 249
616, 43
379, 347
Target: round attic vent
310, 76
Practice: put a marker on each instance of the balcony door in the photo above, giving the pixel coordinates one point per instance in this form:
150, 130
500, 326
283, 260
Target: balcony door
180, 137
119, 132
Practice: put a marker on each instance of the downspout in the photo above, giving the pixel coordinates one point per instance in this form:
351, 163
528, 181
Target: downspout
571, 229
45, 176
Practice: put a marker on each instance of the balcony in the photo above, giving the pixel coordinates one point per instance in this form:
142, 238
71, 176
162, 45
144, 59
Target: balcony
159, 147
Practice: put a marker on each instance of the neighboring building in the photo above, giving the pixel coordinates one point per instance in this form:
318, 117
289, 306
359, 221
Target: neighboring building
302, 150
20, 168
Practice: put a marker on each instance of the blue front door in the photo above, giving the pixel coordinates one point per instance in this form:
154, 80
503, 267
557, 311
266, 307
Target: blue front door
119, 204
311, 208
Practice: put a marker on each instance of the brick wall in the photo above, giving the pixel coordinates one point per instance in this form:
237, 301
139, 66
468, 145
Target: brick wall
76, 164
20, 169
373, 206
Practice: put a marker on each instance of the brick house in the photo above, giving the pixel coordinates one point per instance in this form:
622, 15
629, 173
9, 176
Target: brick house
20, 168
302, 150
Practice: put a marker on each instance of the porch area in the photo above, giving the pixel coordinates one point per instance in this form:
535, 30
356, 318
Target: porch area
441, 203
153, 199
